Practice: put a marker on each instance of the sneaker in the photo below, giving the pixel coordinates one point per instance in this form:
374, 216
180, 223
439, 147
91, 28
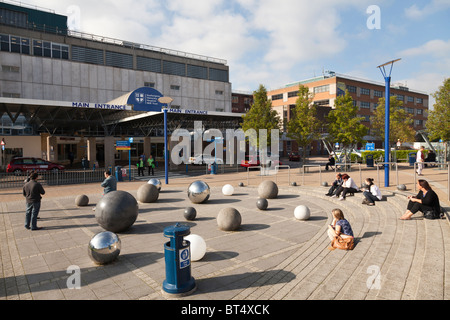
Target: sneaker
334, 196
341, 198
371, 204
365, 201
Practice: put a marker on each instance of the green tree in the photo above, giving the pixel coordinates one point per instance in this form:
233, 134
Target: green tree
401, 123
438, 124
261, 115
344, 125
304, 125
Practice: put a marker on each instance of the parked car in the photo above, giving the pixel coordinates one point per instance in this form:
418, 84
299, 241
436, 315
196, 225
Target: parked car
204, 159
252, 161
25, 164
294, 156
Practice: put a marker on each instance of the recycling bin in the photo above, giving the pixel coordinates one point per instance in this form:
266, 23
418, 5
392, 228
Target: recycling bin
369, 160
177, 255
412, 158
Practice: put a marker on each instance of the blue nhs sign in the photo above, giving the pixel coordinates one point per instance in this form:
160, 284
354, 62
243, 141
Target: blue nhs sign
370, 146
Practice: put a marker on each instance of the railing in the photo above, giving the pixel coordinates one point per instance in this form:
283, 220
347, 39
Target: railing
289, 173
436, 163
56, 178
388, 163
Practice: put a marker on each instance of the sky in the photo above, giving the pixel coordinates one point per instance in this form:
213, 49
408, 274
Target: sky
276, 42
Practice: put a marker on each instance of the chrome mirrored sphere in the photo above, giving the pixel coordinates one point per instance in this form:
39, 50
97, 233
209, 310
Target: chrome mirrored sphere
199, 192
156, 183
104, 247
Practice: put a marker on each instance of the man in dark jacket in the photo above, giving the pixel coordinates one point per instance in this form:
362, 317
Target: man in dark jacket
32, 191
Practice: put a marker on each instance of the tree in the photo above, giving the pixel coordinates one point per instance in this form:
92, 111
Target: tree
344, 126
261, 115
304, 125
401, 123
438, 119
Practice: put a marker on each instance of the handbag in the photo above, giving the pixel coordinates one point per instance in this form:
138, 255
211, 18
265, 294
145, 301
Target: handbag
342, 243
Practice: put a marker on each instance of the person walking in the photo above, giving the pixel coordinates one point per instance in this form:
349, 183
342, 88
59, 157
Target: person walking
420, 158
151, 165
32, 191
372, 193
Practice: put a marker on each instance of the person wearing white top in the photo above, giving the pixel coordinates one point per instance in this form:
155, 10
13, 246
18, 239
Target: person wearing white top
348, 186
372, 193
420, 158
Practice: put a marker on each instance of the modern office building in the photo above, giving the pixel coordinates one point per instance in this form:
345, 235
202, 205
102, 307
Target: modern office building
63, 91
365, 94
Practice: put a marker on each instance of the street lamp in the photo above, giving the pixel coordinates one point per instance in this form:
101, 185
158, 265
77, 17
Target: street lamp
167, 101
387, 79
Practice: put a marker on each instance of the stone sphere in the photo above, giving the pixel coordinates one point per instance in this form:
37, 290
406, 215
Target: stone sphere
198, 246
241, 184
198, 192
82, 200
229, 219
294, 184
147, 193
190, 213
302, 213
324, 184
262, 204
401, 187
104, 247
268, 190
228, 190
117, 211
156, 183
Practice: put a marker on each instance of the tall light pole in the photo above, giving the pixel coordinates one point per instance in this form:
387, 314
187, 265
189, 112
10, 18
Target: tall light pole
387, 79
167, 101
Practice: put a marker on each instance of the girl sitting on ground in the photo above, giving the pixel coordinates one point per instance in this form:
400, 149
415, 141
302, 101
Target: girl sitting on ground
372, 193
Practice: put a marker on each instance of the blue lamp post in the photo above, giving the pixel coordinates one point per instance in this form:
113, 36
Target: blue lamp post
387, 79
167, 101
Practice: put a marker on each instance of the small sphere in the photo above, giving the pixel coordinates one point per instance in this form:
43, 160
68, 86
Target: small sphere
241, 184
262, 204
268, 190
199, 192
228, 190
82, 200
302, 213
401, 187
156, 183
104, 247
229, 219
324, 184
294, 184
190, 213
147, 193
198, 246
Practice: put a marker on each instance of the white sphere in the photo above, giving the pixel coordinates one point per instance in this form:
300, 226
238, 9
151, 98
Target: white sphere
302, 213
198, 246
228, 190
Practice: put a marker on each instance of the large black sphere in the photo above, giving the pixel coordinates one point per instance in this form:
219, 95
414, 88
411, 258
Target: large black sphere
190, 213
116, 211
262, 204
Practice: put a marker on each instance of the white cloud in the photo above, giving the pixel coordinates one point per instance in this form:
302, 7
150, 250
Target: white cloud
437, 48
414, 12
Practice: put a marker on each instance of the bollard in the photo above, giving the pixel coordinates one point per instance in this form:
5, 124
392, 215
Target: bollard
177, 255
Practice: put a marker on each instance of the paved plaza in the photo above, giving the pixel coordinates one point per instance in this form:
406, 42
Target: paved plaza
272, 256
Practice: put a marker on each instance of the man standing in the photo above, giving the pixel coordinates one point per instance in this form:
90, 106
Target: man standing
32, 191
140, 166
420, 158
151, 165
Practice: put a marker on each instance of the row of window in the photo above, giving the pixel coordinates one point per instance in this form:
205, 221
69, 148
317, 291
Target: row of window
49, 49
366, 105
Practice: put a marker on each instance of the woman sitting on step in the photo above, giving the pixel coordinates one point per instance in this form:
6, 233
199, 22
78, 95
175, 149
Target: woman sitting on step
340, 226
425, 201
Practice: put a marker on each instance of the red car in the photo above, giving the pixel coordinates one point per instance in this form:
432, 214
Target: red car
294, 156
252, 161
24, 164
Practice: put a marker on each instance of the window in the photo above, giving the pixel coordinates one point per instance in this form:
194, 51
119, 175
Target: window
419, 111
87, 55
277, 97
218, 75
378, 94
365, 91
400, 97
292, 94
50, 50
118, 60
419, 100
410, 99
219, 92
197, 72
174, 87
235, 99
10, 69
149, 84
365, 105
174, 68
351, 89
148, 64
325, 88
4, 42
418, 122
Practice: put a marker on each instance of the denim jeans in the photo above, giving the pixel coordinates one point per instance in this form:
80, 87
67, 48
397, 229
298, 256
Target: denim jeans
370, 197
32, 214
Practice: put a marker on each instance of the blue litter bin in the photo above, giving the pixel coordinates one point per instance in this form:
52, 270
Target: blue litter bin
369, 160
412, 158
119, 173
214, 168
177, 255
